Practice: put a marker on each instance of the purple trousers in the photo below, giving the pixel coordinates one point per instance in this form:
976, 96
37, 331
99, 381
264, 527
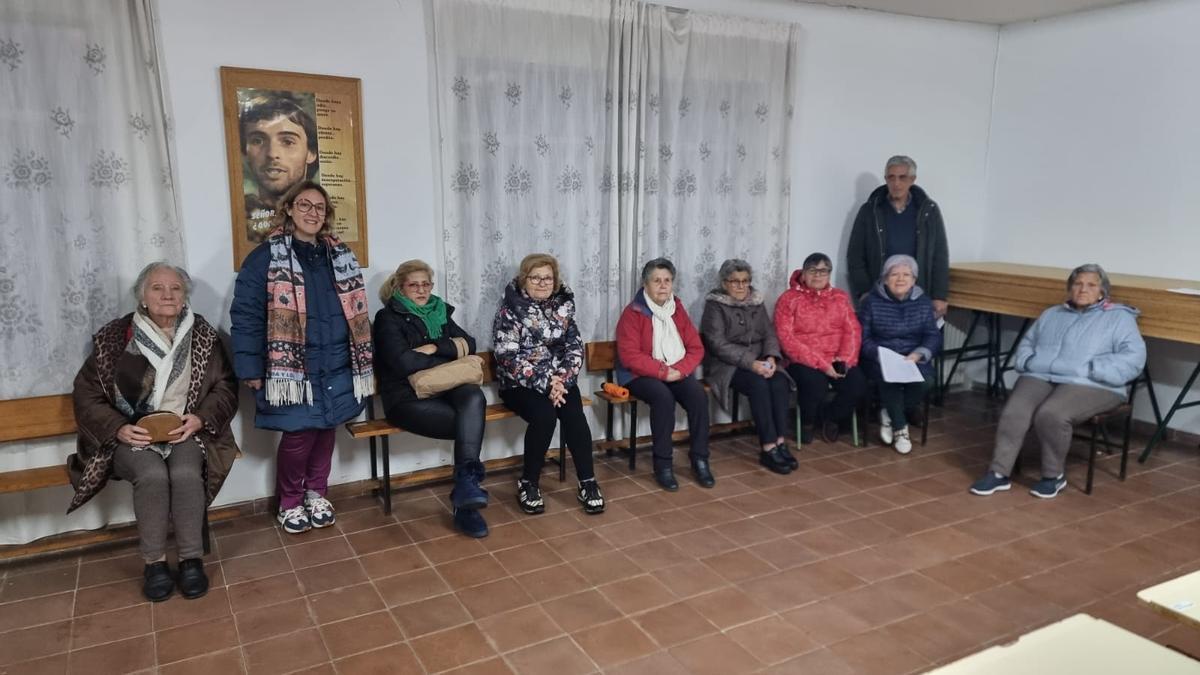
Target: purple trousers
303, 463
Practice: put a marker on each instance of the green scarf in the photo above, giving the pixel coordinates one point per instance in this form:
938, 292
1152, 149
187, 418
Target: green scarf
433, 313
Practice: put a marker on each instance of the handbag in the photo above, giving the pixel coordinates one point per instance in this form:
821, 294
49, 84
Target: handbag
159, 423
433, 381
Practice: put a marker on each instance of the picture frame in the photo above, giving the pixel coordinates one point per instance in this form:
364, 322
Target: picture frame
282, 128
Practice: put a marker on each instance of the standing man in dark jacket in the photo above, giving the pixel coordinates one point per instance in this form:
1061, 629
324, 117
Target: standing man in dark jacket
899, 218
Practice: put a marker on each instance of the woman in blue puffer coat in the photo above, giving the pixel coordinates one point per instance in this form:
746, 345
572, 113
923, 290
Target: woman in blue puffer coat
897, 315
1074, 362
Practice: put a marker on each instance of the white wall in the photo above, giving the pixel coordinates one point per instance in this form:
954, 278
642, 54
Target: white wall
1090, 160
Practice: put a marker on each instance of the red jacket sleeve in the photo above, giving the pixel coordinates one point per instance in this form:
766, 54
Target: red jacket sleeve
795, 348
691, 341
851, 333
635, 356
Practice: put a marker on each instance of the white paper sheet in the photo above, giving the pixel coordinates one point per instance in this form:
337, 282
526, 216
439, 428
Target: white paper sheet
898, 369
1185, 291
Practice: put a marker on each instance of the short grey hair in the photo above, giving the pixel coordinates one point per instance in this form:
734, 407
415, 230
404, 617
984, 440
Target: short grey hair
898, 260
657, 264
898, 160
139, 284
733, 266
1093, 268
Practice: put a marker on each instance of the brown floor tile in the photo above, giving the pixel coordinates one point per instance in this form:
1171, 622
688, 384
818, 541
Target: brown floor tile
110, 570
286, 653
494, 666
827, 541
674, 624
397, 658
410, 587
878, 652
519, 628
583, 544
360, 634
125, 656
267, 622
606, 567
344, 603
615, 642
445, 549
319, 552
119, 624
267, 591
772, 640
368, 519
108, 597
637, 594
248, 543
378, 539
471, 571
32, 643
34, 611
331, 575
689, 578
450, 648
820, 661
727, 607
828, 621
557, 657
494, 597
509, 535
33, 584
256, 566
527, 557
430, 615
658, 663
179, 612
961, 578
580, 610
553, 582
656, 554
715, 655
188, 642
228, 661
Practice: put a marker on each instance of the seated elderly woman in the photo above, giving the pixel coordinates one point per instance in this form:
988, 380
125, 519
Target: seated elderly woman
897, 315
163, 358
658, 349
416, 331
741, 354
821, 338
538, 355
1074, 362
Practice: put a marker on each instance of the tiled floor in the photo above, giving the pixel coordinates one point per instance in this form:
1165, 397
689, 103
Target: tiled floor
861, 561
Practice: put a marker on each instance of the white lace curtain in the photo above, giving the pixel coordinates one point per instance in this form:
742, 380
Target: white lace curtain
608, 133
86, 199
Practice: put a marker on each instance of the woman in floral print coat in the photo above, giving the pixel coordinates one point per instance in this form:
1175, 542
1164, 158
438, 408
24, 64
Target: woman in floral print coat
538, 355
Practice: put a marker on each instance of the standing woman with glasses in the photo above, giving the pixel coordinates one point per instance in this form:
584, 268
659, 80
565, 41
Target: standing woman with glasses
538, 354
820, 336
302, 342
415, 331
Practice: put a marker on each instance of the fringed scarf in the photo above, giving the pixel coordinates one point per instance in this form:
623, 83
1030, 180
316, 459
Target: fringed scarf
287, 379
164, 383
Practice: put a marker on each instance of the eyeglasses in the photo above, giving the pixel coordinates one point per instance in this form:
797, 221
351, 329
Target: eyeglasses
738, 282
539, 280
819, 271
419, 285
304, 206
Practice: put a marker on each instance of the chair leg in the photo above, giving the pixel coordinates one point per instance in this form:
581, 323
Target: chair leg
387, 477
633, 436
206, 535
1125, 444
854, 429
798, 427
925, 426
562, 462
1091, 462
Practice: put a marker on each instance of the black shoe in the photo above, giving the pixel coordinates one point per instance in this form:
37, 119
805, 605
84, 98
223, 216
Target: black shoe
830, 431
159, 584
703, 473
193, 582
774, 461
529, 497
786, 453
806, 434
590, 496
665, 477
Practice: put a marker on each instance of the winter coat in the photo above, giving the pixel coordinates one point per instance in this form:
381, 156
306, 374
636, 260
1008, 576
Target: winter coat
736, 333
635, 342
903, 326
868, 238
534, 340
212, 396
816, 328
398, 332
1098, 346
326, 337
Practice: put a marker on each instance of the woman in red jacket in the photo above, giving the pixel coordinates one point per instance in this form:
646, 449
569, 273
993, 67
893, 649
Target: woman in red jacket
658, 351
820, 335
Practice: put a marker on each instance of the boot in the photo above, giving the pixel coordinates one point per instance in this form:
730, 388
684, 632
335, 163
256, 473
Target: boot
466, 493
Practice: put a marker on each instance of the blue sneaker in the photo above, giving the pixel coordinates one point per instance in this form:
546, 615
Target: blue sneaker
990, 483
470, 522
1048, 488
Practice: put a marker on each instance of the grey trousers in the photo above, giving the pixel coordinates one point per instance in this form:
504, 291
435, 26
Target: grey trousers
171, 489
1053, 410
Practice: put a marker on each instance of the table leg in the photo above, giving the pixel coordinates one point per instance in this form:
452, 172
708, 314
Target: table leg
1176, 406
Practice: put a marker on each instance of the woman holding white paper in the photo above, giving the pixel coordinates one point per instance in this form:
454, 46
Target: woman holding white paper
897, 315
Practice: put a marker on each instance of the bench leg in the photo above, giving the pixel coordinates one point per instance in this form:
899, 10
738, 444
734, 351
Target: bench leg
1125, 444
387, 478
206, 535
1091, 461
374, 461
608, 429
633, 436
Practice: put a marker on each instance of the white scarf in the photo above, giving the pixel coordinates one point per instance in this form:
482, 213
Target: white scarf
668, 346
170, 367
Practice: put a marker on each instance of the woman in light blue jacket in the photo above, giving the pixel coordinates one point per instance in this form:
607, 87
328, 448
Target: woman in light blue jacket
1074, 363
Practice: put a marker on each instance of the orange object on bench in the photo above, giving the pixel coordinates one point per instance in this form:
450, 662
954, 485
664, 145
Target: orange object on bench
615, 390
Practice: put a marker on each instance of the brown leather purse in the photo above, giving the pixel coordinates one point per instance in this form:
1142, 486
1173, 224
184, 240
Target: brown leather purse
159, 423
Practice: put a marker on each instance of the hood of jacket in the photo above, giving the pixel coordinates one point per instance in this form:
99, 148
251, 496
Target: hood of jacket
882, 291
719, 295
879, 196
796, 283
639, 302
519, 301
1106, 305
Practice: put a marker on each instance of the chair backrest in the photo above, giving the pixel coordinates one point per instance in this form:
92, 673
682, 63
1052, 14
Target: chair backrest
601, 356
24, 419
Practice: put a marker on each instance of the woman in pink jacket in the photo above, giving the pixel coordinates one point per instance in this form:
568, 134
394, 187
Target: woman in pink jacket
820, 336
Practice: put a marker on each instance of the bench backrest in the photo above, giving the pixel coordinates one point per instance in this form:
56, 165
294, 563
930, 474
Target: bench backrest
601, 356
23, 419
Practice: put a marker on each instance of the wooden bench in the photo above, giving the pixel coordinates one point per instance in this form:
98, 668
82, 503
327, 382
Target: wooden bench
27, 419
602, 357
380, 430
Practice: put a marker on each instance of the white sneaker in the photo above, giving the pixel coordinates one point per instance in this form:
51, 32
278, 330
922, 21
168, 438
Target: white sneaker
902, 444
885, 427
320, 511
294, 520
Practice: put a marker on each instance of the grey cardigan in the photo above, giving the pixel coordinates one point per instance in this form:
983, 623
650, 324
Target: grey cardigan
736, 334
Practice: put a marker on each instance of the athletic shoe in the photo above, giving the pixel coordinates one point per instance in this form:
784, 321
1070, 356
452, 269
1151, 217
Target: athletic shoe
991, 482
590, 497
901, 442
529, 497
294, 520
1048, 488
320, 511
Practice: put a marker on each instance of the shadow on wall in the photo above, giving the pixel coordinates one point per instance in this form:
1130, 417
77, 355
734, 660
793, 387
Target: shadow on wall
863, 186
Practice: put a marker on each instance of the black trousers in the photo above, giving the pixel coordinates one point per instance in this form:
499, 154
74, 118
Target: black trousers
541, 415
455, 415
768, 402
661, 397
811, 385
